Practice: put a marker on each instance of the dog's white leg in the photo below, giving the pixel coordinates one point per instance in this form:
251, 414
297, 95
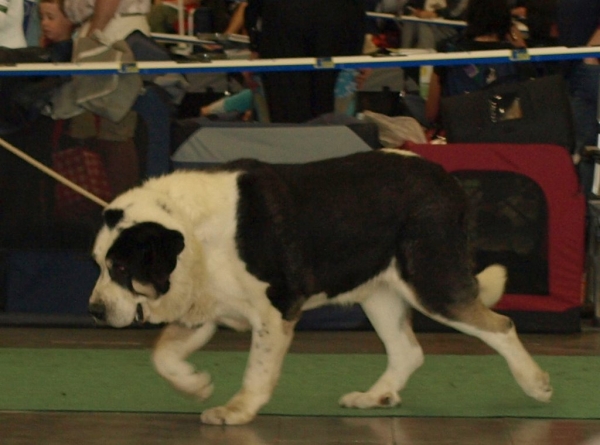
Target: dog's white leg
174, 345
388, 314
531, 378
499, 332
271, 337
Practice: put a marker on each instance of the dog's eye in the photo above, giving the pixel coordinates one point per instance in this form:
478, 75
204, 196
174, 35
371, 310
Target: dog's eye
119, 272
120, 268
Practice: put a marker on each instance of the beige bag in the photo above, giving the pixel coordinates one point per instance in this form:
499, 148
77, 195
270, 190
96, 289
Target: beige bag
395, 131
110, 96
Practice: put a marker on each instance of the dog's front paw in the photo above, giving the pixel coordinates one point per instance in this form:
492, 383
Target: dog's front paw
197, 384
370, 400
147, 312
223, 415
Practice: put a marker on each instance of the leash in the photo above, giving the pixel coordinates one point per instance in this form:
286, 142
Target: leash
58, 177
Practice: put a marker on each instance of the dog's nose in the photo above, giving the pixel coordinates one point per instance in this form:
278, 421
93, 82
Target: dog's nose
98, 311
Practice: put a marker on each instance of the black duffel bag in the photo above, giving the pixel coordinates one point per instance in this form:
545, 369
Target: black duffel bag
530, 111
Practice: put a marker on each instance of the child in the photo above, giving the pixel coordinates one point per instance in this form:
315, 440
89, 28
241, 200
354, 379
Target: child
56, 27
57, 30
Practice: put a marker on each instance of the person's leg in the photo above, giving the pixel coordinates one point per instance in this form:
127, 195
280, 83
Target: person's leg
337, 30
241, 102
288, 96
409, 33
345, 92
425, 36
583, 85
441, 33
117, 148
307, 28
284, 34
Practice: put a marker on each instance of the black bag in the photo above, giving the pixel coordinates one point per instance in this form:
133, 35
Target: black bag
386, 101
531, 111
145, 48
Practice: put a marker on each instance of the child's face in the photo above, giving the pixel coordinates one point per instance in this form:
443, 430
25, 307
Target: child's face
56, 27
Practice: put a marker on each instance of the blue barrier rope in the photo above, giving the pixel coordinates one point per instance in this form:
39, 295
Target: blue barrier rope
410, 59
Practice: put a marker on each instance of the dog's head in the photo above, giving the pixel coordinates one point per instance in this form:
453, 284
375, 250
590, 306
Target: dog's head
137, 250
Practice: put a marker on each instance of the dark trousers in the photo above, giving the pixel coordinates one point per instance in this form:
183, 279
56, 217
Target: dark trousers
584, 81
307, 28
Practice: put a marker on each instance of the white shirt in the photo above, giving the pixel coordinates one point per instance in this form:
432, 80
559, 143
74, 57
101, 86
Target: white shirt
79, 11
130, 16
11, 24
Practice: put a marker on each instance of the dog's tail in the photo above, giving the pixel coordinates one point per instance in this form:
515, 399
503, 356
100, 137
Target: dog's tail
491, 284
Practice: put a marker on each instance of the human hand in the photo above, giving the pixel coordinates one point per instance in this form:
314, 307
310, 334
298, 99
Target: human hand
422, 14
516, 37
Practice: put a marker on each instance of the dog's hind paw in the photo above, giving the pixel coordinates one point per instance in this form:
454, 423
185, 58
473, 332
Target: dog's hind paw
223, 415
541, 390
370, 400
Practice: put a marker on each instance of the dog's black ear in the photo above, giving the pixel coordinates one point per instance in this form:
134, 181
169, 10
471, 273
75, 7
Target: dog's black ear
148, 252
161, 254
112, 217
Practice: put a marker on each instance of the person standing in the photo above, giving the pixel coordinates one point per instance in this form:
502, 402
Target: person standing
164, 16
426, 35
12, 34
578, 24
115, 19
304, 28
489, 27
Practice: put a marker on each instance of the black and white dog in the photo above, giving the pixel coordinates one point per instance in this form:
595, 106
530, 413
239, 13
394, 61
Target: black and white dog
251, 245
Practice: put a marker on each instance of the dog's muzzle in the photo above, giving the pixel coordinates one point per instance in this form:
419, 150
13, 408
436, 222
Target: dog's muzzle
98, 311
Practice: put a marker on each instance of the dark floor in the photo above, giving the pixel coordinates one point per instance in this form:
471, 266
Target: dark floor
50, 428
